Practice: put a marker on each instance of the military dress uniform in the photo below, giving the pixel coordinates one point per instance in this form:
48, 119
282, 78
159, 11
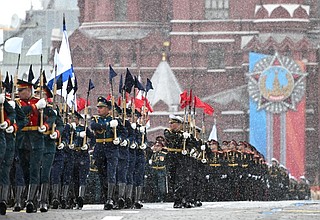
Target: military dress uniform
30, 142
81, 138
106, 151
14, 119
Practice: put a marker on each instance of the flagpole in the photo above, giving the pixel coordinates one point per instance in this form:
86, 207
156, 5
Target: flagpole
112, 102
15, 79
1, 105
41, 91
203, 160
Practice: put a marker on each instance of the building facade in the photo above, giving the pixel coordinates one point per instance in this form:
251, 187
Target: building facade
206, 45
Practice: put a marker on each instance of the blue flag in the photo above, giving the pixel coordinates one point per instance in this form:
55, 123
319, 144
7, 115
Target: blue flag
112, 74
31, 75
69, 85
137, 84
129, 82
120, 85
149, 85
91, 85
75, 87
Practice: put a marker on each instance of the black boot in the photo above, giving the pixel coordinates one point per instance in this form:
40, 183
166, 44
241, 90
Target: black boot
137, 198
121, 201
109, 203
4, 190
31, 205
17, 205
128, 203
44, 197
81, 197
55, 196
65, 191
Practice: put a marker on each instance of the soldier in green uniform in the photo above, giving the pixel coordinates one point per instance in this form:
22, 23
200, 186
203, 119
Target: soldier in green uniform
30, 140
158, 169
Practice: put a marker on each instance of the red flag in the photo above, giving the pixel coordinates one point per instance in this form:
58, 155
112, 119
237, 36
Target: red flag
81, 102
119, 101
198, 103
108, 97
190, 98
184, 99
139, 103
208, 109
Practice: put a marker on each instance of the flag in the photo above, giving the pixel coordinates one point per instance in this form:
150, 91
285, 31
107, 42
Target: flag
129, 82
198, 103
75, 87
31, 75
81, 102
137, 84
139, 103
69, 85
112, 74
59, 82
184, 99
148, 85
64, 68
13, 45
213, 134
120, 85
7, 84
91, 85
35, 49
208, 109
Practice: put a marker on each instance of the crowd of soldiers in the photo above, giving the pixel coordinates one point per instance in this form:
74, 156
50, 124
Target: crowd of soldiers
47, 153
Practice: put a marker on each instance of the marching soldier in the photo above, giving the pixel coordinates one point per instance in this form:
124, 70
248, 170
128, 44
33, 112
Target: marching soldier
106, 151
81, 138
8, 127
30, 140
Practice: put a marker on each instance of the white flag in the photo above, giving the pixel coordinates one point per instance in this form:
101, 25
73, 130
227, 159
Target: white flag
13, 45
35, 49
213, 135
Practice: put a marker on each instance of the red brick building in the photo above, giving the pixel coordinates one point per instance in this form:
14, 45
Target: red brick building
207, 48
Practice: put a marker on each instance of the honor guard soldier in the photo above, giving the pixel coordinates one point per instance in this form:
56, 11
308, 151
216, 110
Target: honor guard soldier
106, 151
50, 137
158, 168
81, 138
178, 162
30, 140
7, 149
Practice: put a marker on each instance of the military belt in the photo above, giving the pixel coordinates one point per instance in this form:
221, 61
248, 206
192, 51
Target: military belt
174, 150
245, 165
159, 168
215, 165
77, 148
30, 128
232, 164
104, 140
48, 132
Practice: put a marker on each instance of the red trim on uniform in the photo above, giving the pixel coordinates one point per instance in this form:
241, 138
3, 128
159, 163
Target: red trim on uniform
58, 134
15, 126
47, 126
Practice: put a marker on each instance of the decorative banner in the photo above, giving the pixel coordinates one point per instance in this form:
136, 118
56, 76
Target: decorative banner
276, 86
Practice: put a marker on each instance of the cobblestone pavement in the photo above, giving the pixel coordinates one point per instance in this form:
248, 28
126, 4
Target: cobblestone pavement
302, 210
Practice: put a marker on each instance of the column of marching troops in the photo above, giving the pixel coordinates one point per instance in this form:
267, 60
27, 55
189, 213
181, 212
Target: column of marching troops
45, 158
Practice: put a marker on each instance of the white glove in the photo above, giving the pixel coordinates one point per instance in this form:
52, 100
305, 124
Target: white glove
54, 135
41, 104
4, 125
60, 146
13, 104
71, 146
73, 125
42, 129
55, 112
143, 146
203, 147
192, 151
82, 134
113, 123
142, 129
84, 147
10, 129
150, 162
207, 177
133, 125
133, 146
116, 141
2, 98
186, 135
124, 143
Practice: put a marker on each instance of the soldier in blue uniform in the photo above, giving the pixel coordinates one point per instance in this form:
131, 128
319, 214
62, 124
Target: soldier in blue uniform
6, 163
106, 151
30, 140
81, 138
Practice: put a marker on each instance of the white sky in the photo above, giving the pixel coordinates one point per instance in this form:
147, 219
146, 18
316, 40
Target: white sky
11, 7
